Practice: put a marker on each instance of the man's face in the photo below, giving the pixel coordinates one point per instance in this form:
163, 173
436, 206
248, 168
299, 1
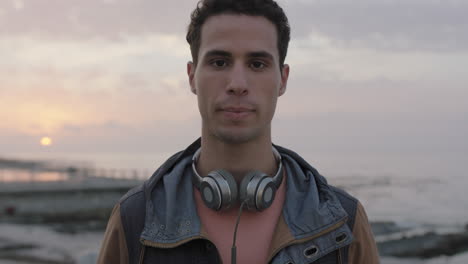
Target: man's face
238, 78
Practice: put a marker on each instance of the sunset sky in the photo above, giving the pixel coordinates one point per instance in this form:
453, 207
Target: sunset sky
367, 76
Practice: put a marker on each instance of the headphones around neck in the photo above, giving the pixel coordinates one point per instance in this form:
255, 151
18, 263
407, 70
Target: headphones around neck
219, 190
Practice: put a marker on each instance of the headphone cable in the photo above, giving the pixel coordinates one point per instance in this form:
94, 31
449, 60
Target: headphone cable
234, 249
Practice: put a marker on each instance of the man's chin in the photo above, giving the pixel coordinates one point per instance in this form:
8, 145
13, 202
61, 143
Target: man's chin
236, 137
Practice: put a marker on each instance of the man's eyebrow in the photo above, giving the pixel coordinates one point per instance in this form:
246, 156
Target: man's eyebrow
253, 54
260, 54
214, 53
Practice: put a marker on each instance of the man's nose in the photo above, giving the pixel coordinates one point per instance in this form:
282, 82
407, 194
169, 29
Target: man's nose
238, 84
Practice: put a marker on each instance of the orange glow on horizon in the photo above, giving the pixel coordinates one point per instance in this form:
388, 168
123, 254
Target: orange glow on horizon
39, 119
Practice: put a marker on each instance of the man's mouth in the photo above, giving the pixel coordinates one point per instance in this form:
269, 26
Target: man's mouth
236, 113
237, 109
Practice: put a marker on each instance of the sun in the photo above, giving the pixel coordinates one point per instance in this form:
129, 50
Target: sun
46, 141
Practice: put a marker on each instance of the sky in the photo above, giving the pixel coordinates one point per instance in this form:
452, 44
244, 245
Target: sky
385, 77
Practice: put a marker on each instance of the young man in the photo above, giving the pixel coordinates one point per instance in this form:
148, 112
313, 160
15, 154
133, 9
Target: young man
186, 212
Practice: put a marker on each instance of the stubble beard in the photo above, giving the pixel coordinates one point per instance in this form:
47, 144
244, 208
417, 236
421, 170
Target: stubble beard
236, 137
233, 138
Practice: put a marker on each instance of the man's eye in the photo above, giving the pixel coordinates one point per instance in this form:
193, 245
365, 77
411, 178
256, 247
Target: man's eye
258, 65
219, 63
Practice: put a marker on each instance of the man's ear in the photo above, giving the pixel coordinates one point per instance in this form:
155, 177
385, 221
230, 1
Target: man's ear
191, 73
284, 79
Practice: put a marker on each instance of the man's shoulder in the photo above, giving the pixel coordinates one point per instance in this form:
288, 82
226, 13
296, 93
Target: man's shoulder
132, 212
136, 195
348, 202
343, 195
133, 200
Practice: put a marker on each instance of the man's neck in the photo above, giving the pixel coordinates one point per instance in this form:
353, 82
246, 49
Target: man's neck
238, 159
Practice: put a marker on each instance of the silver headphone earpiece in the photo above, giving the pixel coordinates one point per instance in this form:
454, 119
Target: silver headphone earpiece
258, 190
223, 185
264, 193
211, 194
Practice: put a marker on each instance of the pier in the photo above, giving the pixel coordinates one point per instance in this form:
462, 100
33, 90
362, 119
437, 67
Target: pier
42, 193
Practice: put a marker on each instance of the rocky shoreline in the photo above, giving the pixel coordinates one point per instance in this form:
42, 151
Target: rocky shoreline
37, 244
32, 253
427, 245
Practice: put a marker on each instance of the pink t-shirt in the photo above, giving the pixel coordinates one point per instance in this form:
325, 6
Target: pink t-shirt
254, 233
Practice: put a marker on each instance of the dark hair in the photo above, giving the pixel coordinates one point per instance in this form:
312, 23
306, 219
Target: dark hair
266, 8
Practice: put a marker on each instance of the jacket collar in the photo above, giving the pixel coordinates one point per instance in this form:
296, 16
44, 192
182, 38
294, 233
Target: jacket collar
312, 215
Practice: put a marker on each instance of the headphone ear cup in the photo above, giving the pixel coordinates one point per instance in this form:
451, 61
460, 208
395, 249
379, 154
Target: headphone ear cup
259, 190
265, 194
243, 186
233, 190
210, 193
219, 190
248, 188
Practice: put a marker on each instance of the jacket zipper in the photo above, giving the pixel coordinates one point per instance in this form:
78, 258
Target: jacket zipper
340, 261
142, 254
299, 241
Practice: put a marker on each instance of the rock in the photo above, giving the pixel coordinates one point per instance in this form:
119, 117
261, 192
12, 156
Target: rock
88, 257
386, 228
30, 253
428, 245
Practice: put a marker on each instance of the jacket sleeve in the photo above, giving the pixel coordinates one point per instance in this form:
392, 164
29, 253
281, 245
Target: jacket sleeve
114, 246
363, 249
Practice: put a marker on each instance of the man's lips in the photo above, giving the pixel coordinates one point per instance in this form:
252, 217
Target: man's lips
236, 109
236, 112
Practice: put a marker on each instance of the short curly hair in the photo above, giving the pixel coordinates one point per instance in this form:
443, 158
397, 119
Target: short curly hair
266, 8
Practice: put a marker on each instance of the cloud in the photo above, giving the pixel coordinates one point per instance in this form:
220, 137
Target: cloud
44, 101
115, 136
357, 133
47, 83
84, 19
307, 97
433, 25
112, 136
142, 53
316, 55
397, 25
